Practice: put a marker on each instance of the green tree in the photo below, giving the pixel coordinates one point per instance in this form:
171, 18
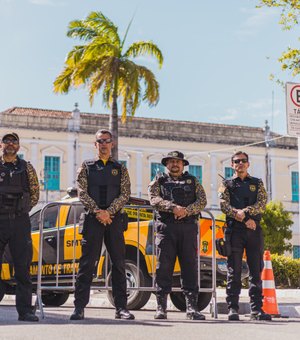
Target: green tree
102, 64
289, 17
276, 223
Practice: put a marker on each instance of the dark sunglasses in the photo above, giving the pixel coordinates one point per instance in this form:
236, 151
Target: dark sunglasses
12, 141
104, 141
238, 161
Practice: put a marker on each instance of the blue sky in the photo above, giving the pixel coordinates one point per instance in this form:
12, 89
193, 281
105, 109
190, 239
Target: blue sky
218, 56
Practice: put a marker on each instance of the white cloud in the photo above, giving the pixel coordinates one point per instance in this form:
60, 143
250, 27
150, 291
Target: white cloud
261, 108
260, 104
256, 20
230, 115
52, 3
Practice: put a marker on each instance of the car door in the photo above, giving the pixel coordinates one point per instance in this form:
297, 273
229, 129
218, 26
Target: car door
51, 240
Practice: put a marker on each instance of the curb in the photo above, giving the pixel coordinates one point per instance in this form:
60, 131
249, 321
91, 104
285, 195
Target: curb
286, 309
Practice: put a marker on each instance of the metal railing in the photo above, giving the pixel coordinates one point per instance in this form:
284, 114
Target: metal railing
104, 283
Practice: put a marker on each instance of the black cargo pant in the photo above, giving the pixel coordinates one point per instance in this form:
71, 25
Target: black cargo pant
16, 232
93, 234
252, 242
176, 239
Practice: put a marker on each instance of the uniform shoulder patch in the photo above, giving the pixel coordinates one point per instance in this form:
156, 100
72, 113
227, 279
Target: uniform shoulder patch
89, 161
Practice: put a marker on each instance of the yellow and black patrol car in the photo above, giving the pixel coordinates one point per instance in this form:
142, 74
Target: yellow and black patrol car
140, 255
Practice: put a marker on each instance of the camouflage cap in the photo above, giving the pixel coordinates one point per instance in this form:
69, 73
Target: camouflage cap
174, 155
12, 134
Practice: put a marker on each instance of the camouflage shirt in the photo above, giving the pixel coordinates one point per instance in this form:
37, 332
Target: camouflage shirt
34, 187
255, 209
90, 205
165, 205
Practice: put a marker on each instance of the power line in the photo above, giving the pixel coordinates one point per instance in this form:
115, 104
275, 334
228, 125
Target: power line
240, 146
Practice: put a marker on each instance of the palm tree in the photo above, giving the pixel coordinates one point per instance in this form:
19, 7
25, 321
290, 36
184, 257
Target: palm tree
101, 64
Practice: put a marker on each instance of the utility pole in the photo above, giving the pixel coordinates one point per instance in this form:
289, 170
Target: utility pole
74, 127
268, 160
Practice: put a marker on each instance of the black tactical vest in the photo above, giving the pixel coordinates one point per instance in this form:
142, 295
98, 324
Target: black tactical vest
14, 188
104, 181
242, 194
181, 191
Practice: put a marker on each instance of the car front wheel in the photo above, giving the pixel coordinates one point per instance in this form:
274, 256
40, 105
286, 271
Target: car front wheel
178, 299
136, 298
55, 299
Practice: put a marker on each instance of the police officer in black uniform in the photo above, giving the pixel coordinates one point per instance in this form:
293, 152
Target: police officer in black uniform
104, 189
243, 200
19, 192
178, 199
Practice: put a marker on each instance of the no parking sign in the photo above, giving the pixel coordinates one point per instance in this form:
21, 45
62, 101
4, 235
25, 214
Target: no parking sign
292, 92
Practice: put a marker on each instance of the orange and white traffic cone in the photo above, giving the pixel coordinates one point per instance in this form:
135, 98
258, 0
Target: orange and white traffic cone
270, 305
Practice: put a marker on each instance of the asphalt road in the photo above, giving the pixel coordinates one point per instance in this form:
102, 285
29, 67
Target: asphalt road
100, 324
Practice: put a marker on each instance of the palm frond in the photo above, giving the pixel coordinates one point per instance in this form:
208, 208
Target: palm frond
107, 95
145, 48
96, 82
75, 55
103, 26
151, 95
129, 88
97, 50
101, 77
126, 33
80, 29
63, 81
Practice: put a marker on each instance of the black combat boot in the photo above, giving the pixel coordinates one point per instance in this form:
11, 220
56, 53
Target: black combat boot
233, 314
192, 312
78, 314
161, 310
31, 317
260, 315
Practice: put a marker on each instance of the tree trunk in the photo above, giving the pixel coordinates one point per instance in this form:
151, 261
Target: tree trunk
113, 127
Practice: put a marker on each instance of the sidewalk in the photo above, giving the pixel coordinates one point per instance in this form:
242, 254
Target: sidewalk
288, 302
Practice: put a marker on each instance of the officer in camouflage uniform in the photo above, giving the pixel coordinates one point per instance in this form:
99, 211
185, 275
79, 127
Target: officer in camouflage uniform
243, 200
103, 189
178, 198
19, 192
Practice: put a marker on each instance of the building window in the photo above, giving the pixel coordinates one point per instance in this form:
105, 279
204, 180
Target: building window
124, 163
295, 186
228, 172
156, 168
296, 252
196, 170
52, 173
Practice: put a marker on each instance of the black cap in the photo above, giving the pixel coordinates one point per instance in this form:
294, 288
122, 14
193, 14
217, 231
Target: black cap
12, 134
176, 155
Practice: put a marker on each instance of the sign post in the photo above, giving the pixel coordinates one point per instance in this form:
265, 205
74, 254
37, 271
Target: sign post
292, 93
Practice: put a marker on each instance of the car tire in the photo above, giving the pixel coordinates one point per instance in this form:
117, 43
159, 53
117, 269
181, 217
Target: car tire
55, 299
178, 299
136, 299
